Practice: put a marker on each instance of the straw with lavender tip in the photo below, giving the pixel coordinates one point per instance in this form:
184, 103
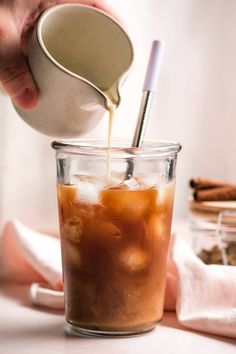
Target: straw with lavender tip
149, 88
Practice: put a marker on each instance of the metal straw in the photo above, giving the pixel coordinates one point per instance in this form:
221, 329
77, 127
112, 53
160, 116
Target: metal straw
149, 88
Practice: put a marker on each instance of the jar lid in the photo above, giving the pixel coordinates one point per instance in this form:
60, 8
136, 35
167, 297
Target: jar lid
213, 207
210, 210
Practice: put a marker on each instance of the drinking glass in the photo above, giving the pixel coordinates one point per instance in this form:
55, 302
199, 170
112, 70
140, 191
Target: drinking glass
115, 211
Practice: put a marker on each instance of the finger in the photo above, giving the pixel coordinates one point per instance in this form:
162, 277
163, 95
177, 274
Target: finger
15, 75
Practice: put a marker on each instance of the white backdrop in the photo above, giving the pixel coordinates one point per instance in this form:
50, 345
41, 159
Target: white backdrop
195, 104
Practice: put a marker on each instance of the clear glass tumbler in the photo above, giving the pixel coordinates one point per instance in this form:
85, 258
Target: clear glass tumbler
115, 211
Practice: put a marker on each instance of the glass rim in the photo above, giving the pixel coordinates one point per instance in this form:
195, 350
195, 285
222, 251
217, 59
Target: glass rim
119, 148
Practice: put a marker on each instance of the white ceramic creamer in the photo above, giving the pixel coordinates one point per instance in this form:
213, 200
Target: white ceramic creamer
79, 56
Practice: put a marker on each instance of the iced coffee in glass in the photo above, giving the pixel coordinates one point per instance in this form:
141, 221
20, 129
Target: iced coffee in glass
115, 231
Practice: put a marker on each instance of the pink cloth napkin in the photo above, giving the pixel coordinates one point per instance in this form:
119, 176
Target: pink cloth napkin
32, 257
204, 296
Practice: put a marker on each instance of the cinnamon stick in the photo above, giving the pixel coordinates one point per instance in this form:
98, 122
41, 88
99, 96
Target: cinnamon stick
224, 193
205, 183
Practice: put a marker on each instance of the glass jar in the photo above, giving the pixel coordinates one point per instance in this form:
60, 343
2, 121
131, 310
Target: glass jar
213, 226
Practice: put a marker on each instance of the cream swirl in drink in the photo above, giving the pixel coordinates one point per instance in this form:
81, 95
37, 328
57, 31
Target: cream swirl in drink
114, 247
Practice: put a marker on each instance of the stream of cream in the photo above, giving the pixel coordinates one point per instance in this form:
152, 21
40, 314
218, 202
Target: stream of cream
111, 108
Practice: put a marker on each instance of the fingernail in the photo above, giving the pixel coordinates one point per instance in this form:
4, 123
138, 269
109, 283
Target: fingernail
25, 99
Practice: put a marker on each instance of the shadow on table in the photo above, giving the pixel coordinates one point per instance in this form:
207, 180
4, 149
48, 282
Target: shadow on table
20, 293
54, 329
170, 320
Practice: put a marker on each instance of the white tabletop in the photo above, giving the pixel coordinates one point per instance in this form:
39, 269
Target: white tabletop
28, 330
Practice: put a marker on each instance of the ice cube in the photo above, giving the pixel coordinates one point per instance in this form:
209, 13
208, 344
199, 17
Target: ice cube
133, 258
88, 188
133, 183
72, 229
166, 195
159, 226
99, 229
129, 205
104, 229
115, 179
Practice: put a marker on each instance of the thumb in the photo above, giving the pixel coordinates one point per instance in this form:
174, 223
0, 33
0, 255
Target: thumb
15, 74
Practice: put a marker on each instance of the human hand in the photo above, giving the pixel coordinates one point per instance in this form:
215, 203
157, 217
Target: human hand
17, 21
